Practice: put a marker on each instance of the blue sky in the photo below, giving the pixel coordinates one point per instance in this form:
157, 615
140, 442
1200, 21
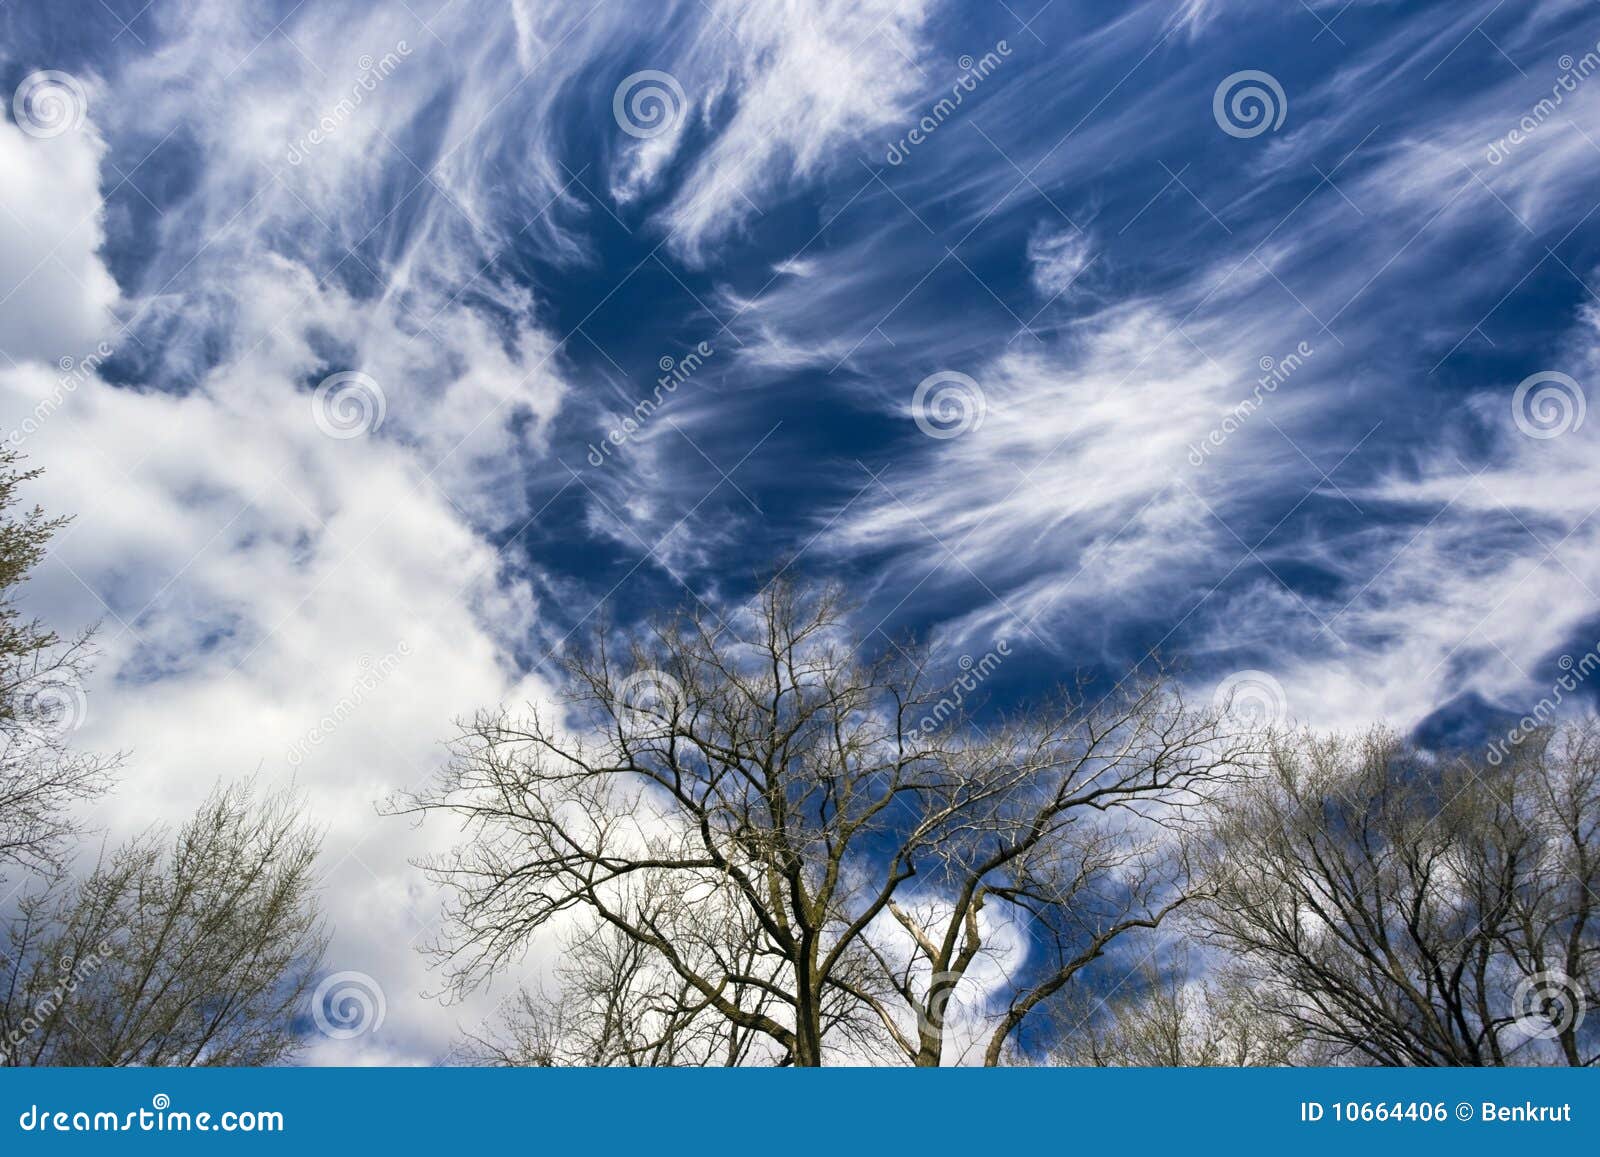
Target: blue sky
1255, 335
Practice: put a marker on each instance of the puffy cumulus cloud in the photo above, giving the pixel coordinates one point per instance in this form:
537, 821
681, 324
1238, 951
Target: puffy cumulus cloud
470, 399
357, 195
275, 598
801, 80
56, 299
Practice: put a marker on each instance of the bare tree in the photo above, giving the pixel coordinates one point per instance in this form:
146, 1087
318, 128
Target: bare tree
1075, 824
193, 954
1166, 1015
752, 813
197, 953
41, 699
616, 1004
1406, 910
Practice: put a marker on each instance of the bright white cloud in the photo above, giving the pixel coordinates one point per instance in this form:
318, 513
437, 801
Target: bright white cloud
274, 600
55, 296
804, 81
1059, 256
